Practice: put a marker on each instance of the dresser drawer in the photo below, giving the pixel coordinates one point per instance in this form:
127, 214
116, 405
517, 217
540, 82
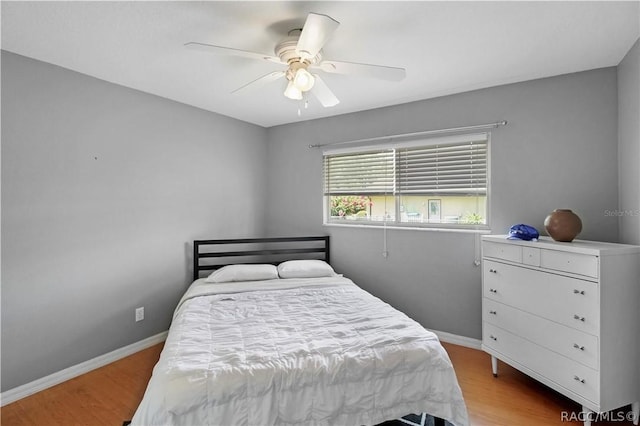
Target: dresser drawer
574, 344
568, 301
575, 263
565, 373
508, 252
531, 256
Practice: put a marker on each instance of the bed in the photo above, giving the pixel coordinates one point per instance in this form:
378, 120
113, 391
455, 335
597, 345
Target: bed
252, 343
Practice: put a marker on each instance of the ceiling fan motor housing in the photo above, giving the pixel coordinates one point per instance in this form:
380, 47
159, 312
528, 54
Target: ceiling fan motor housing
286, 51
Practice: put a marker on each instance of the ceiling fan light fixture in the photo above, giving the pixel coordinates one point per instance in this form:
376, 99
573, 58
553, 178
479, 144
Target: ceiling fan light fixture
292, 92
303, 80
301, 51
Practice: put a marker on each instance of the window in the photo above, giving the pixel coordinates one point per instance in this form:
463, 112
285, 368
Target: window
440, 182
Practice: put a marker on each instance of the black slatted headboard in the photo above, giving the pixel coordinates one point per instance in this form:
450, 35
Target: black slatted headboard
213, 254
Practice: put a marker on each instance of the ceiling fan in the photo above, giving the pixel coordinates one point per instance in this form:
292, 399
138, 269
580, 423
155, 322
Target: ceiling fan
302, 52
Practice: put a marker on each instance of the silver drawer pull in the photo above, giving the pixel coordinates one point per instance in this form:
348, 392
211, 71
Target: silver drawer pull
578, 379
492, 337
575, 291
493, 290
493, 271
578, 317
493, 312
577, 346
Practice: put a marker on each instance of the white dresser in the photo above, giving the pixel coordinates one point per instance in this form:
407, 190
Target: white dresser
566, 314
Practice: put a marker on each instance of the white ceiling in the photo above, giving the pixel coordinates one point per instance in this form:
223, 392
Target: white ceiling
446, 47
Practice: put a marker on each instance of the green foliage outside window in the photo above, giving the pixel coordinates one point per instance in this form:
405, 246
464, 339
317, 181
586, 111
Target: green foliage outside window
349, 205
473, 218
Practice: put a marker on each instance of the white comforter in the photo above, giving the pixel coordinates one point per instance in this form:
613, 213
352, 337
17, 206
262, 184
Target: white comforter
316, 351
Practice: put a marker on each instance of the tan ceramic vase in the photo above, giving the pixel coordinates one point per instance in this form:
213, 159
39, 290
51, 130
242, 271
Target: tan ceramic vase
563, 225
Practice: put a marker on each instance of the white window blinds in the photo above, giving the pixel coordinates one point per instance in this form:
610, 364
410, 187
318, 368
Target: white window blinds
370, 173
449, 168
443, 169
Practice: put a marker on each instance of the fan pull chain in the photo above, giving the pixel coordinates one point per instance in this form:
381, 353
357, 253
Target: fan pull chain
306, 106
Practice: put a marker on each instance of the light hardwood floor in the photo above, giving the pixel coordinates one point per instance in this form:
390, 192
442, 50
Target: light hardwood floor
110, 394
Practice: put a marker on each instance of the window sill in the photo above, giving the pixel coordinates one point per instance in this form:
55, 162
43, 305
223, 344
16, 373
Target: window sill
480, 230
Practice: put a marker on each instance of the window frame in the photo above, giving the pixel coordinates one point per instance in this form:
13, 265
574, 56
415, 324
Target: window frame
396, 222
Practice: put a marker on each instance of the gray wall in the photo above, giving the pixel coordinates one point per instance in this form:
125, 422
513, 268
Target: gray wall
559, 150
103, 189
629, 145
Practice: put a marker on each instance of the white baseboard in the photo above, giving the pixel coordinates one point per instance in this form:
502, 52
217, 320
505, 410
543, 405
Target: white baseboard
27, 389
455, 339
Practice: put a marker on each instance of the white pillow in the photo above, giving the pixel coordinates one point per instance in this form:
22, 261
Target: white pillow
234, 273
305, 269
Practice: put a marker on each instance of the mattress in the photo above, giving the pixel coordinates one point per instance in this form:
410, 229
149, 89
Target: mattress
314, 351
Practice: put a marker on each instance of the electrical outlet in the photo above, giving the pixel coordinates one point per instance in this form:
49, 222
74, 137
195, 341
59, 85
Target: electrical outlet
139, 313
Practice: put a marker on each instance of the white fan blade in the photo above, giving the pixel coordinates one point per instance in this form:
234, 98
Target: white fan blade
261, 81
321, 91
363, 70
315, 33
229, 51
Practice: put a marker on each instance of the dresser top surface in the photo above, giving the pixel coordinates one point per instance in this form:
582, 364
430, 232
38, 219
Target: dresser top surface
597, 248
